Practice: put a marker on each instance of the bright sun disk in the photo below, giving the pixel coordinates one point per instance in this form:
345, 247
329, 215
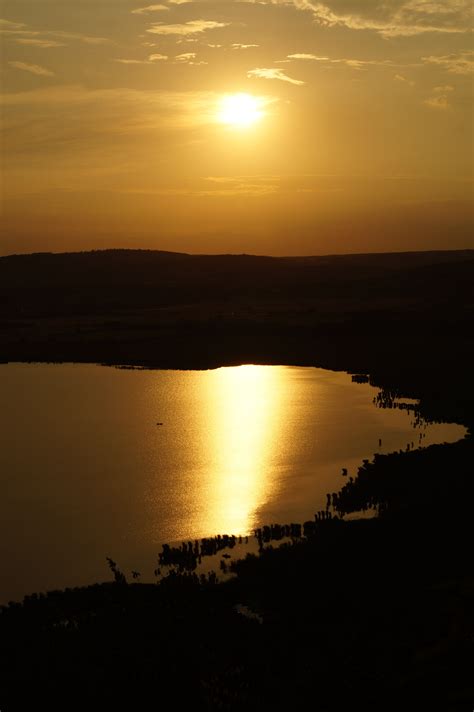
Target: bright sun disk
240, 110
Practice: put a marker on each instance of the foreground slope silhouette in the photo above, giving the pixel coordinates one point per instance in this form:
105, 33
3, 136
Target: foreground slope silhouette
364, 613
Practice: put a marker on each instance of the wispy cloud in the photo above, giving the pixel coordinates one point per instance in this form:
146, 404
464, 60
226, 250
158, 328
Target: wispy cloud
354, 63
439, 98
32, 68
192, 27
187, 58
81, 38
149, 8
456, 63
403, 80
238, 45
23, 31
437, 102
133, 61
151, 59
397, 18
9, 25
43, 44
302, 55
273, 73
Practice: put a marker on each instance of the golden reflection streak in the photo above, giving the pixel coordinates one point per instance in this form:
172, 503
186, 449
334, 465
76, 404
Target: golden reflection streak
246, 404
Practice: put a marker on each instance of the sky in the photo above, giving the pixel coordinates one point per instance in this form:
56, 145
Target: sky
285, 127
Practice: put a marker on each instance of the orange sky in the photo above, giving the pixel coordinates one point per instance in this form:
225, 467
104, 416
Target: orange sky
115, 133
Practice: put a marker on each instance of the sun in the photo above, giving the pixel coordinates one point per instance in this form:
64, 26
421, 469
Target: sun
240, 110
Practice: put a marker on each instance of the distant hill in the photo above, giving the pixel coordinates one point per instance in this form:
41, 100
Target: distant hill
406, 318
101, 280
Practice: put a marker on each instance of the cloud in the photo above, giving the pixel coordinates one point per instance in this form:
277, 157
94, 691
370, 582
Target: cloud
456, 63
394, 18
152, 58
403, 80
274, 73
36, 37
148, 9
8, 25
133, 61
438, 102
186, 28
439, 98
238, 45
443, 89
187, 58
301, 55
32, 68
39, 43
24, 33
354, 63
80, 38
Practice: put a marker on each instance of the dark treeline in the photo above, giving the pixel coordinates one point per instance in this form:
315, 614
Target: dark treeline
189, 555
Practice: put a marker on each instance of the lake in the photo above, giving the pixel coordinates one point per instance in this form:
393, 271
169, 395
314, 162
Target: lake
98, 461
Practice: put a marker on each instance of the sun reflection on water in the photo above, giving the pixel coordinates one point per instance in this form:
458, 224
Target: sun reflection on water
245, 409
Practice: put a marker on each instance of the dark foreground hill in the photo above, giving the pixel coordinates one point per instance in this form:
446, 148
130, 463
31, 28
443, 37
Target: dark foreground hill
371, 614
405, 318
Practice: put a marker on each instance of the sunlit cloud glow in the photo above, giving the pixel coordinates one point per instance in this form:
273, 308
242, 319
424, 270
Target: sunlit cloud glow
192, 27
273, 73
149, 8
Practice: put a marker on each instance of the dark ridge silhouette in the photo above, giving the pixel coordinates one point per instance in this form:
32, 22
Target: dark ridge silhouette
405, 318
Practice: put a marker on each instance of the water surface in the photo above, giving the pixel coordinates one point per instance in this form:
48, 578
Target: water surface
97, 461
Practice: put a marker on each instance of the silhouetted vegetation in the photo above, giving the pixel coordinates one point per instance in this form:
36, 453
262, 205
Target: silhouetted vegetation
342, 613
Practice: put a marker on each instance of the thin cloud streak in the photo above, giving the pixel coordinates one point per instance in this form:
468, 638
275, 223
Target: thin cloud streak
42, 44
192, 27
273, 73
32, 68
456, 63
149, 8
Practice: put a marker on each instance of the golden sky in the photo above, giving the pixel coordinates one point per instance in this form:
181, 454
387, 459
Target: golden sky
269, 127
